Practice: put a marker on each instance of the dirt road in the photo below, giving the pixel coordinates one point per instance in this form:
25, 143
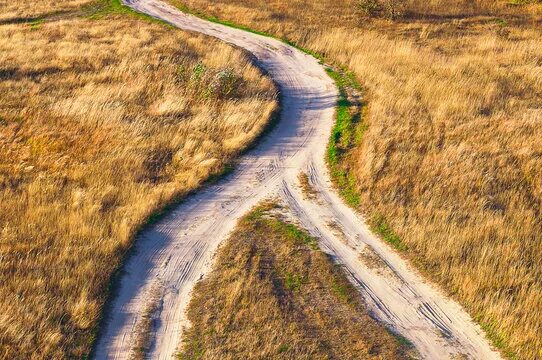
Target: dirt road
173, 254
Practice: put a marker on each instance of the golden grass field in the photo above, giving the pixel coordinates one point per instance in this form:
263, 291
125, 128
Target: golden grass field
451, 160
272, 294
105, 118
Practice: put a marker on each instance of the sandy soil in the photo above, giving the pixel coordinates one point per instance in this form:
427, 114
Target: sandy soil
176, 252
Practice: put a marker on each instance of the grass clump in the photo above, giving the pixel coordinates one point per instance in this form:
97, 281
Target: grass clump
272, 294
308, 191
380, 226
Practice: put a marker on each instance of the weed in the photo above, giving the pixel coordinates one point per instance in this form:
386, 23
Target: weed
283, 348
35, 25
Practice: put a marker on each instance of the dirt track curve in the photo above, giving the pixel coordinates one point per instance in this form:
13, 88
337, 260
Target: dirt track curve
172, 255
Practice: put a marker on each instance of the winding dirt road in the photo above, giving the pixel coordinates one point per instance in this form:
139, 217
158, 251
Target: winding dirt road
175, 253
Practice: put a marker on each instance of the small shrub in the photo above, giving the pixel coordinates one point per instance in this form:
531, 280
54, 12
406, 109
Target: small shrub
155, 162
225, 84
390, 9
393, 9
198, 72
369, 8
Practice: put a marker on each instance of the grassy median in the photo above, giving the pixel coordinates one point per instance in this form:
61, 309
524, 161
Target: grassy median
272, 294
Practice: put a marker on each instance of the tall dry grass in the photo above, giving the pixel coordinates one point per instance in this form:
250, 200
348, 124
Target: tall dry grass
14, 11
452, 158
102, 122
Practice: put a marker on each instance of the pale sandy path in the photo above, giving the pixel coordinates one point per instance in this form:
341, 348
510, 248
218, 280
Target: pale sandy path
173, 254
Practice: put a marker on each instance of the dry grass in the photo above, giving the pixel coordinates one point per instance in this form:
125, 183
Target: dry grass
15, 12
308, 191
102, 123
371, 259
452, 158
144, 328
273, 295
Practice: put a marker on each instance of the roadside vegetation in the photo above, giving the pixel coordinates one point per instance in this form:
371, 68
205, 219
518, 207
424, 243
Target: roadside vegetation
272, 294
105, 118
449, 165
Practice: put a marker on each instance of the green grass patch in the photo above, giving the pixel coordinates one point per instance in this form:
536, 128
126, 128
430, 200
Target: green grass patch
104, 8
297, 234
283, 348
36, 24
347, 133
341, 290
380, 226
287, 230
293, 282
403, 340
498, 340
197, 351
500, 22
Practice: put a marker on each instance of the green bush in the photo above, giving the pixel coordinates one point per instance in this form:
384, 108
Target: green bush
225, 84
